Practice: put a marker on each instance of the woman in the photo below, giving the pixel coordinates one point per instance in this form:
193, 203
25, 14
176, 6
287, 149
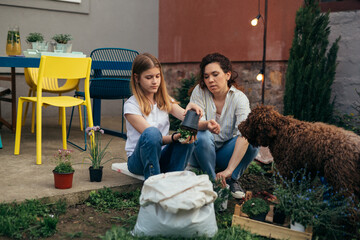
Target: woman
150, 150
228, 152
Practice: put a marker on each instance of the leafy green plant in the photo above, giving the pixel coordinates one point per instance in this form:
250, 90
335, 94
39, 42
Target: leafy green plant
106, 199
63, 161
35, 37
255, 206
255, 168
307, 201
62, 38
311, 66
185, 133
30, 219
96, 152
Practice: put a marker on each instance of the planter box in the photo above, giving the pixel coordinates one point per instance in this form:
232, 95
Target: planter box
267, 229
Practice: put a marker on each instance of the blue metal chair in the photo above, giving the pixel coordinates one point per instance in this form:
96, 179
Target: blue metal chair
110, 79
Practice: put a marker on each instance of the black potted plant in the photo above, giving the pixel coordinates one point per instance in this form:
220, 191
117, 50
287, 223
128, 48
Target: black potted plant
189, 126
256, 208
96, 153
63, 172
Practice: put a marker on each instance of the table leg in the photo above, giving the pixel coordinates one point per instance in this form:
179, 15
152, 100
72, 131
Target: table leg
13, 98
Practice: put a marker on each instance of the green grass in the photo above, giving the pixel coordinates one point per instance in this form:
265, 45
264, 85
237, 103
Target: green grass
30, 219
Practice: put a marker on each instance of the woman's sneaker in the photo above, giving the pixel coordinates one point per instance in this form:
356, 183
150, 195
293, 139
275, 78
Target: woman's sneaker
236, 190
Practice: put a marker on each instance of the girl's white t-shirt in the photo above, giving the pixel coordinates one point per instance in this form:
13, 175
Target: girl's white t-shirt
157, 118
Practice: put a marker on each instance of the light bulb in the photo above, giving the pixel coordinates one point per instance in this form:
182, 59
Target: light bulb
254, 22
260, 76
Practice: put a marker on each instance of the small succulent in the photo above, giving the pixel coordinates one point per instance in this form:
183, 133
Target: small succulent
62, 38
35, 37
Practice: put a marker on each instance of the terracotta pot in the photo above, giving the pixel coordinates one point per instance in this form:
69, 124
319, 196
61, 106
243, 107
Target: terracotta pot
63, 180
95, 174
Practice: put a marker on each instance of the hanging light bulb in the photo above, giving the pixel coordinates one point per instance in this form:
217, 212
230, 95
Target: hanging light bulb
255, 21
260, 76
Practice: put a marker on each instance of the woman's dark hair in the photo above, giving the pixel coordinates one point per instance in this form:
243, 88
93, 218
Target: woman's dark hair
225, 65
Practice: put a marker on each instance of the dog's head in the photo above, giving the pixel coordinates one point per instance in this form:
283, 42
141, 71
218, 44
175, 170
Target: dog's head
261, 126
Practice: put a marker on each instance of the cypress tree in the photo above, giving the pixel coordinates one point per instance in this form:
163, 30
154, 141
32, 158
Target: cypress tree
311, 66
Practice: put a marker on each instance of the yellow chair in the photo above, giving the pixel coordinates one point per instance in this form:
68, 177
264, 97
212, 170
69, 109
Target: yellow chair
60, 68
50, 85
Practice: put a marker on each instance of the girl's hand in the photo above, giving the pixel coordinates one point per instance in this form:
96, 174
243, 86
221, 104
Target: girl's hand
222, 176
194, 107
213, 126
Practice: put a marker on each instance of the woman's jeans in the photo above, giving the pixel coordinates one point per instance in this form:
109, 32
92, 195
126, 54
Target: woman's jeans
149, 159
208, 158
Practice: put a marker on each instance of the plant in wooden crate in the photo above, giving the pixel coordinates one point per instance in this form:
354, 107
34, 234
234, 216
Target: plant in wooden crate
256, 208
311, 202
96, 153
63, 172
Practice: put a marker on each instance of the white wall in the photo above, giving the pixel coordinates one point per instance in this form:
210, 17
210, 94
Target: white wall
347, 79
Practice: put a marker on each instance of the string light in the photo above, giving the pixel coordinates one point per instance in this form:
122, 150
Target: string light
255, 21
260, 76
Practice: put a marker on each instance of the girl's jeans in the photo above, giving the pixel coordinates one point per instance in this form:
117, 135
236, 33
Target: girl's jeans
149, 159
208, 158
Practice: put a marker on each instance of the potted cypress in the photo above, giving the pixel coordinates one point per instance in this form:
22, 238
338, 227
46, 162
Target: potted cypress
63, 172
256, 208
97, 153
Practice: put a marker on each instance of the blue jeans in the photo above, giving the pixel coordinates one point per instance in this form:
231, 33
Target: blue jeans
149, 159
207, 157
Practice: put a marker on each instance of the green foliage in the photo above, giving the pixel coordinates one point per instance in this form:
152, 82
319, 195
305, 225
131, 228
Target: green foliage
62, 38
34, 37
255, 207
311, 68
30, 219
231, 233
255, 168
310, 202
106, 199
183, 96
63, 161
96, 152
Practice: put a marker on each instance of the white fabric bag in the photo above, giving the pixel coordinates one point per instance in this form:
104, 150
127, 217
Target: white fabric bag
177, 204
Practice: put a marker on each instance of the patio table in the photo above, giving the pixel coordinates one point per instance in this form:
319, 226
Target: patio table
13, 63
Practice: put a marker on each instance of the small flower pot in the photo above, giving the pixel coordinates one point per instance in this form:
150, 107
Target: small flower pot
96, 174
191, 120
63, 180
259, 217
297, 226
279, 216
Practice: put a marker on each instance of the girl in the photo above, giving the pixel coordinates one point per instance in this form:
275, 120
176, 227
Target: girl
149, 148
228, 151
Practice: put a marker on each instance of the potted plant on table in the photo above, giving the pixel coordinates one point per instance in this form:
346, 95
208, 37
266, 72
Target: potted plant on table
36, 41
256, 208
63, 172
96, 153
63, 44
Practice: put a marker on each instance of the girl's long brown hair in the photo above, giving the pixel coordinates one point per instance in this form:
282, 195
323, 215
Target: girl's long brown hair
142, 63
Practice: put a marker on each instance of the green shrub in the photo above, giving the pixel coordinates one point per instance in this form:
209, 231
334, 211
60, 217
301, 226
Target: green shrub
255, 207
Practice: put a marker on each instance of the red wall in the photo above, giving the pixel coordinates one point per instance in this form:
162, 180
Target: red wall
190, 29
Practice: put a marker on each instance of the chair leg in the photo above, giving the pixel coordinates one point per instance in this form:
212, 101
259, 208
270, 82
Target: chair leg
27, 107
33, 115
0, 143
84, 124
59, 121
18, 127
63, 121
38, 132
97, 111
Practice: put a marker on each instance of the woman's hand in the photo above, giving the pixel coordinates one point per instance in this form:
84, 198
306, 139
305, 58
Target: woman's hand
194, 107
213, 126
189, 140
222, 176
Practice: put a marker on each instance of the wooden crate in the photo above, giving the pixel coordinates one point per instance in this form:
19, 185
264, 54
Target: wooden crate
267, 229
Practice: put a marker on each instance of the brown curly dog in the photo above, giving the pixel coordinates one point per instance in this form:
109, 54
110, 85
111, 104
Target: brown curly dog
329, 150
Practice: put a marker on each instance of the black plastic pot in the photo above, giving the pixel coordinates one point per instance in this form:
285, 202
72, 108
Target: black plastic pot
259, 217
191, 120
279, 216
96, 174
